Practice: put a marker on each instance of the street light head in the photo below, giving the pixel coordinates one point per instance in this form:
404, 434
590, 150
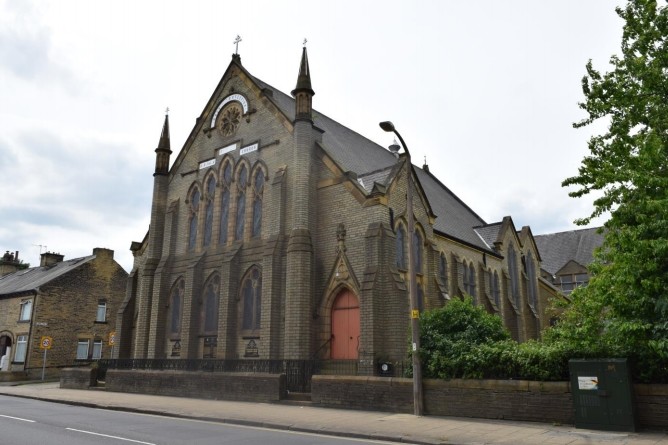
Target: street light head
387, 126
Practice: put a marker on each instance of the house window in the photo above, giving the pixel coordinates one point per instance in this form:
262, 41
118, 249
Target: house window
21, 348
569, 282
82, 349
241, 203
97, 349
194, 209
208, 212
225, 202
26, 310
251, 296
101, 312
258, 188
400, 248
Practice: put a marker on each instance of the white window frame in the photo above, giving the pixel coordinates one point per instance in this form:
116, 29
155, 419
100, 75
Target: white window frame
21, 348
25, 314
80, 343
101, 315
97, 349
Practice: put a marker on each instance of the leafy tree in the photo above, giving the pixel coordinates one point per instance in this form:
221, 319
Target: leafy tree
624, 310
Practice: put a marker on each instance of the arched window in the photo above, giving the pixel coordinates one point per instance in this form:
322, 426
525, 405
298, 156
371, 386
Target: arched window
512, 272
241, 203
401, 247
251, 298
258, 189
209, 317
443, 269
472, 280
194, 209
420, 297
226, 183
208, 213
175, 309
494, 286
531, 274
417, 249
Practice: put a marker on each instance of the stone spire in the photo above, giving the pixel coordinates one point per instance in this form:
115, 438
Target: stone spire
163, 151
303, 93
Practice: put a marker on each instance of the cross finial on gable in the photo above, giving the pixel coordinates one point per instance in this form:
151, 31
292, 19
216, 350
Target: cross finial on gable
304, 42
236, 43
167, 110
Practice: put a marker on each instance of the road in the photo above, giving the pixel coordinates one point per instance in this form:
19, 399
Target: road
33, 422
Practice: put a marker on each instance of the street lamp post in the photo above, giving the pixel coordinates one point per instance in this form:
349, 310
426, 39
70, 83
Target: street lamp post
412, 284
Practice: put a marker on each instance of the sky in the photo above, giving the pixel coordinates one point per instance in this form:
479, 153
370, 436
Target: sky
486, 91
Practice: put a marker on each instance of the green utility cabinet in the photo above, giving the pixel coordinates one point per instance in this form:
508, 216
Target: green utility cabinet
602, 394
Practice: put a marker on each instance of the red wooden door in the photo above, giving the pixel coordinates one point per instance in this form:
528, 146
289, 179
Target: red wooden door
345, 326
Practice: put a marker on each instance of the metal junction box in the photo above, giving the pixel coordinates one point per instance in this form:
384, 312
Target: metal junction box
602, 394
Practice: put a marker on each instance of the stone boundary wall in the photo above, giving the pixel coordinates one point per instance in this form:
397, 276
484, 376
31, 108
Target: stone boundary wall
549, 402
246, 387
651, 405
78, 378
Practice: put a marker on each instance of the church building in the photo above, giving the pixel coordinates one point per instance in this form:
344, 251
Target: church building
278, 233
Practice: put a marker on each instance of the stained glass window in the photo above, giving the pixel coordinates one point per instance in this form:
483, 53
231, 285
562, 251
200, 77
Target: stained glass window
241, 203
258, 188
400, 248
417, 249
208, 217
512, 272
194, 209
225, 202
210, 308
443, 269
531, 274
251, 295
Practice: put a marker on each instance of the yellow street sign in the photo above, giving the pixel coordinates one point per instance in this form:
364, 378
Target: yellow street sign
112, 338
45, 342
415, 313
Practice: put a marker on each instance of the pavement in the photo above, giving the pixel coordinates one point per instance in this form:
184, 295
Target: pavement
405, 428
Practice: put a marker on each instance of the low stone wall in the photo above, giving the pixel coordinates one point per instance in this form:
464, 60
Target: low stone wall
489, 399
549, 402
13, 376
651, 405
247, 387
78, 378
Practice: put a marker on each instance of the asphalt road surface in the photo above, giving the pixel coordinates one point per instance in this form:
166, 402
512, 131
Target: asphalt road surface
34, 422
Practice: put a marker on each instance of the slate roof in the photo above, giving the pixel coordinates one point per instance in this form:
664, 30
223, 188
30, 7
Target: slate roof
489, 233
31, 279
557, 249
373, 163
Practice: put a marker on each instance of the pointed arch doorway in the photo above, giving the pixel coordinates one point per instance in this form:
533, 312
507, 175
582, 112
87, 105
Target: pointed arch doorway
345, 326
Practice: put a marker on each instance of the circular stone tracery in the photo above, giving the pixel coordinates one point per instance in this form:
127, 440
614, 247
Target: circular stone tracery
230, 119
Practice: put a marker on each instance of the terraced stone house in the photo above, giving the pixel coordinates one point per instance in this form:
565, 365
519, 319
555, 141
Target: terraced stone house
72, 302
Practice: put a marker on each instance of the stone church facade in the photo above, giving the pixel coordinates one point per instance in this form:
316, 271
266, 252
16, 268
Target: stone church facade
278, 233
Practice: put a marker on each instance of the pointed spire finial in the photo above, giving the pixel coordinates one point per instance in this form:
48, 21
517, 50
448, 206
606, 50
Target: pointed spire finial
303, 93
164, 149
304, 42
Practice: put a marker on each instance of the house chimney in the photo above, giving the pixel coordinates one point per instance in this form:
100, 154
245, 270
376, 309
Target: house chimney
48, 259
9, 263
